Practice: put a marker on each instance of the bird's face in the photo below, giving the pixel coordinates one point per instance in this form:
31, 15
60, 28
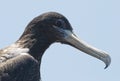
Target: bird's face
61, 31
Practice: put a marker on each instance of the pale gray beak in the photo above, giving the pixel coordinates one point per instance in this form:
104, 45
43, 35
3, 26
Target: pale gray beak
90, 50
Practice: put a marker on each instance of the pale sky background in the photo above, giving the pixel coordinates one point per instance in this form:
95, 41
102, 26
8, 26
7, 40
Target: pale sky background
95, 21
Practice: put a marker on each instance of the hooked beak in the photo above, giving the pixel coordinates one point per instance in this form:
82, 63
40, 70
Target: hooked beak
73, 40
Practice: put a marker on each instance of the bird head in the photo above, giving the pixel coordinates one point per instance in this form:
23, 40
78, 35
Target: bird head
55, 27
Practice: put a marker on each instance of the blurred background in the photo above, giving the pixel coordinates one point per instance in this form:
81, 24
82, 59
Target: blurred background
95, 21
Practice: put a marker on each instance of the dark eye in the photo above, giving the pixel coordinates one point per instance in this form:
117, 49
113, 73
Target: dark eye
59, 23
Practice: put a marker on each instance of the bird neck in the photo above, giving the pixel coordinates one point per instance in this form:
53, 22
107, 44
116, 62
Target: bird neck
36, 44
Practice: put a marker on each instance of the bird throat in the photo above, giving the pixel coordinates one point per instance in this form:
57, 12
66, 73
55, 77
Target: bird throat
36, 45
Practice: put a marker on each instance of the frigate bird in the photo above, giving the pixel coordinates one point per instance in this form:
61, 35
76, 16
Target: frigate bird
21, 61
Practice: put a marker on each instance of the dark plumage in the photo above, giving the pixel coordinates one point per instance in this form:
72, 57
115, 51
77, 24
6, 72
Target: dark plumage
21, 60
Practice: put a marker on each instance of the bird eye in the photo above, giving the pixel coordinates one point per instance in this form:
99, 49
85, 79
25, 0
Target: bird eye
59, 23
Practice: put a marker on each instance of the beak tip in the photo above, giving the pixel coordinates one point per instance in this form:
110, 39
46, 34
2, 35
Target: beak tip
107, 61
106, 66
